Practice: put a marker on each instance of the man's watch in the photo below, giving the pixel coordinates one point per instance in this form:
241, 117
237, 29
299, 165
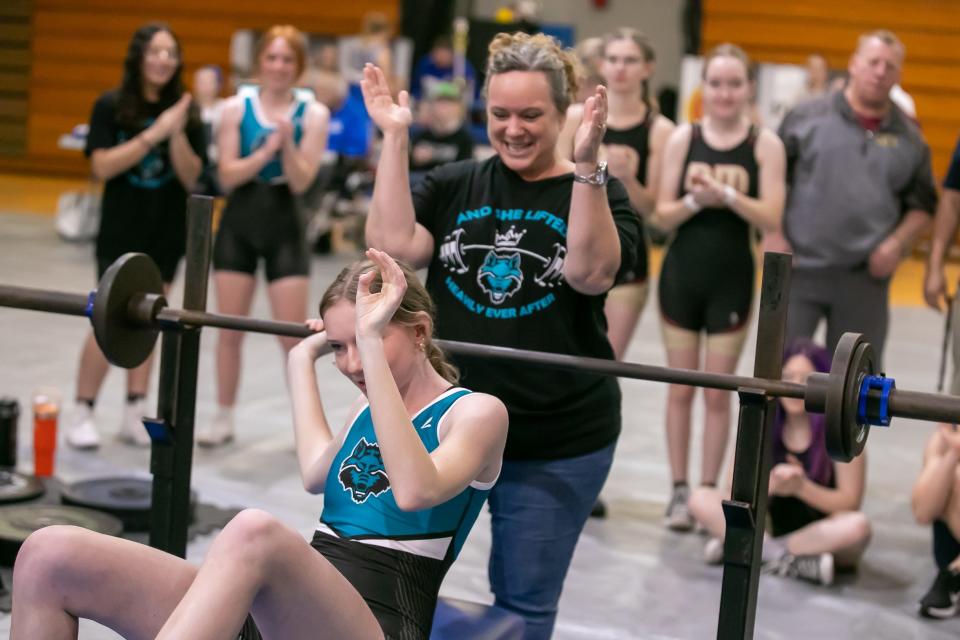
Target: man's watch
598, 178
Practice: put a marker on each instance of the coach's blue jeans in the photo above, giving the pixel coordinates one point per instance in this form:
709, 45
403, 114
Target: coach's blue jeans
538, 508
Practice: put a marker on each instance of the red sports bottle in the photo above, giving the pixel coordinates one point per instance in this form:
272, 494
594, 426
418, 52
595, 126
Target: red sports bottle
46, 408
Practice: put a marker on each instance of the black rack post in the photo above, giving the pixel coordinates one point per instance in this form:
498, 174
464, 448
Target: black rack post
172, 457
746, 511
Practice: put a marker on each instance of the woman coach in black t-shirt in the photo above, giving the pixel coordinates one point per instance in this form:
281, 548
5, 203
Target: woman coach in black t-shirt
146, 142
520, 249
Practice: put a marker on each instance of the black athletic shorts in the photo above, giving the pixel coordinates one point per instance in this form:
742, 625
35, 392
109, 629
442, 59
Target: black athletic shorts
400, 588
710, 298
261, 221
789, 514
641, 268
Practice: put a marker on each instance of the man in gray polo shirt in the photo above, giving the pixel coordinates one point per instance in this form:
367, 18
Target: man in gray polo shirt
860, 191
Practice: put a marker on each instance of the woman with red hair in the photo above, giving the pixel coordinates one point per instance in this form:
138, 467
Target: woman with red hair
271, 141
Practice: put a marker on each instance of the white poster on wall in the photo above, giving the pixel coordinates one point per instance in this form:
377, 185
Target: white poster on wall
779, 88
690, 108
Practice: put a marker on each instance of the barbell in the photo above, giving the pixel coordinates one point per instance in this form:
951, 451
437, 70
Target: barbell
128, 310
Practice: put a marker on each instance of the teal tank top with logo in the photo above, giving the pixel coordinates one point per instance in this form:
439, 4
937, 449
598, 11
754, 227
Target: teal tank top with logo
359, 505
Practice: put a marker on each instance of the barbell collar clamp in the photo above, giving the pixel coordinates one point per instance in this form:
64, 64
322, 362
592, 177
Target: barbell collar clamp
874, 404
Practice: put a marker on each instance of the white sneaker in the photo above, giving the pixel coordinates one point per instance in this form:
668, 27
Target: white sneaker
218, 431
81, 430
132, 430
816, 568
713, 551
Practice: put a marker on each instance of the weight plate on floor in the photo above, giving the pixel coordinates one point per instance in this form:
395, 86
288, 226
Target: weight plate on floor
18, 487
125, 497
19, 521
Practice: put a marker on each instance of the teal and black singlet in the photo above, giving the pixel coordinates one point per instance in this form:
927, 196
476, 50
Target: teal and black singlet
396, 559
261, 218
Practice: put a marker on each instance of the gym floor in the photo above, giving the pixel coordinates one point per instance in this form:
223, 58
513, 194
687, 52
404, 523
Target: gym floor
630, 578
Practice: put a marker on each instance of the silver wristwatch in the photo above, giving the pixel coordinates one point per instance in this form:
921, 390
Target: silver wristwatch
598, 178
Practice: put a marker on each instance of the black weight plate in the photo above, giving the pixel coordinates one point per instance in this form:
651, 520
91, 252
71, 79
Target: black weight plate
125, 497
837, 435
861, 366
18, 487
122, 342
19, 521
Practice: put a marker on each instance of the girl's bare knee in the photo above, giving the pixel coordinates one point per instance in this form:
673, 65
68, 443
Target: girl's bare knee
252, 536
700, 501
860, 528
680, 394
716, 399
47, 553
230, 339
287, 343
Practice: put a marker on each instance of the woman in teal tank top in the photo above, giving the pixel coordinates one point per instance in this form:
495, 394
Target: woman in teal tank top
271, 140
403, 483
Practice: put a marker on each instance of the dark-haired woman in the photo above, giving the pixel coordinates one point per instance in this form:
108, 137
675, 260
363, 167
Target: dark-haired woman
146, 143
814, 504
632, 145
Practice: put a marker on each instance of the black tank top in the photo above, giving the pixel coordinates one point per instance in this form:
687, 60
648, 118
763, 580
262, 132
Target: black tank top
638, 138
715, 231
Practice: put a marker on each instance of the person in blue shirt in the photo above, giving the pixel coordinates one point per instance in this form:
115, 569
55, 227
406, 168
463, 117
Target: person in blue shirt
438, 66
403, 483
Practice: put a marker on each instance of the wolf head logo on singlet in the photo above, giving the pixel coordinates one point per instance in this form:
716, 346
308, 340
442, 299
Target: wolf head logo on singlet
362, 472
500, 276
